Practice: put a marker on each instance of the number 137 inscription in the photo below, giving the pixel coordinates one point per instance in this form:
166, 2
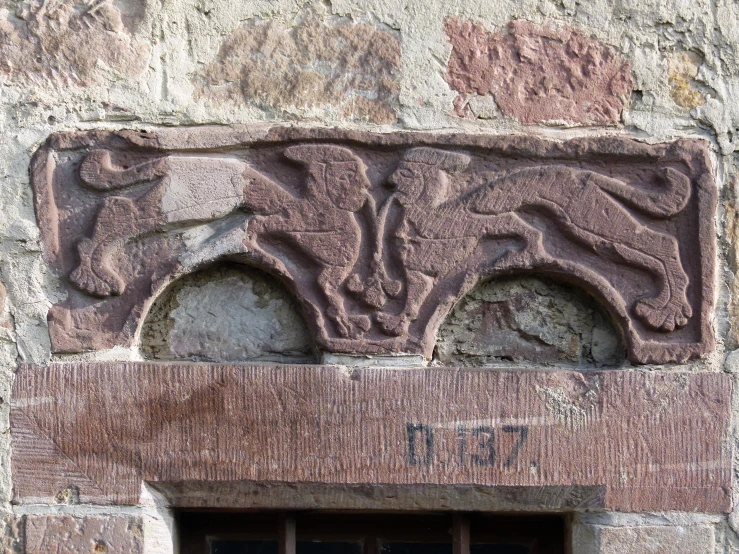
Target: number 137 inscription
477, 445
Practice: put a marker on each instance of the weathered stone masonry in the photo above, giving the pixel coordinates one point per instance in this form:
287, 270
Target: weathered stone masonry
517, 217
377, 236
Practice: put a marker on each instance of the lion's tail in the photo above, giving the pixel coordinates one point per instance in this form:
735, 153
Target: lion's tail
669, 200
98, 172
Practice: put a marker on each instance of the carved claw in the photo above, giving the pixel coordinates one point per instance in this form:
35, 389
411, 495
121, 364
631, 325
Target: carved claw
340, 319
360, 324
394, 325
673, 315
349, 326
354, 284
391, 287
95, 281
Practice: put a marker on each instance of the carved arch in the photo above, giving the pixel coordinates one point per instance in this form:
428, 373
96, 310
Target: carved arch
204, 316
530, 317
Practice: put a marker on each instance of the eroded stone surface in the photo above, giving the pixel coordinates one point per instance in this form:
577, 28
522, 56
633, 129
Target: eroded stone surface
528, 319
70, 43
227, 314
537, 74
342, 69
662, 539
64, 534
682, 70
646, 32
377, 236
11, 534
106, 427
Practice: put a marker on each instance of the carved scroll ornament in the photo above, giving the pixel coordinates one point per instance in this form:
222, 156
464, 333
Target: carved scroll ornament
378, 235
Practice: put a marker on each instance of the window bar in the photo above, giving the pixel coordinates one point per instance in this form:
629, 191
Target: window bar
286, 535
371, 545
460, 534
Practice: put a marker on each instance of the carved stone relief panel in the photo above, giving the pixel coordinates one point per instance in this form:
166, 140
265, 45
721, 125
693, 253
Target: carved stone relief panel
378, 235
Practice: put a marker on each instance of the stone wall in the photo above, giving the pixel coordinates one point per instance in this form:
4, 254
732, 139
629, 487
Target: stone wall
653, 71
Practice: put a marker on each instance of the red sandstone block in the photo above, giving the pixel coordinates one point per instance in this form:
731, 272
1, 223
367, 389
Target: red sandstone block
648, 440
538, 73
378, 235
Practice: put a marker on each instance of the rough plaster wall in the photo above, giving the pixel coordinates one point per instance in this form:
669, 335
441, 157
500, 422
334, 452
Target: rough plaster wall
71, 64
230, 313
226, 314
528, 319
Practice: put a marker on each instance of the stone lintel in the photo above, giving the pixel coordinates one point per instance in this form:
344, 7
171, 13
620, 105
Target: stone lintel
532, 440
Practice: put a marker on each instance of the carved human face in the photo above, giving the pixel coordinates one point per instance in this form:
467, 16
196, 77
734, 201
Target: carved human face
408, 179
346, 185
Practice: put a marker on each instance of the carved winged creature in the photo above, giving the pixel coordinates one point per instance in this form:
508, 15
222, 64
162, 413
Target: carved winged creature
319, 222
437, 232
180, 190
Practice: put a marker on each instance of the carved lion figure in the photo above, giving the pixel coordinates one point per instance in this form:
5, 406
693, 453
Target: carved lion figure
318, 222
437, 231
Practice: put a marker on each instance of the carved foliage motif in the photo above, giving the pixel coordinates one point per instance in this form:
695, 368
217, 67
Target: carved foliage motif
378, 235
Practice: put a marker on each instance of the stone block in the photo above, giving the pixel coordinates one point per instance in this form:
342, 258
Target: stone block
327, 65
226, 313
66, 534
657, 539
682, 68
11, 534
378, 235
537, 73
617, 440
528, 319
63, 43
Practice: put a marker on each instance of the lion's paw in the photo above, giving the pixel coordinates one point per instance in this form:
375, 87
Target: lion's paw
673, 315
95, 281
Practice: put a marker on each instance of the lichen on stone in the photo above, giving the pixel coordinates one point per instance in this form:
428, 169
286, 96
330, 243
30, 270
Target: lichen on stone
682, 70
68, 43
339, 68
537, 74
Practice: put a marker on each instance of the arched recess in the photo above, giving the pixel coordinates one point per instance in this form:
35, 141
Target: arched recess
226, 312
529, 318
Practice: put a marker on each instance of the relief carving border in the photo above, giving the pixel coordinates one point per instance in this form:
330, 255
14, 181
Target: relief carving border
378, 234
